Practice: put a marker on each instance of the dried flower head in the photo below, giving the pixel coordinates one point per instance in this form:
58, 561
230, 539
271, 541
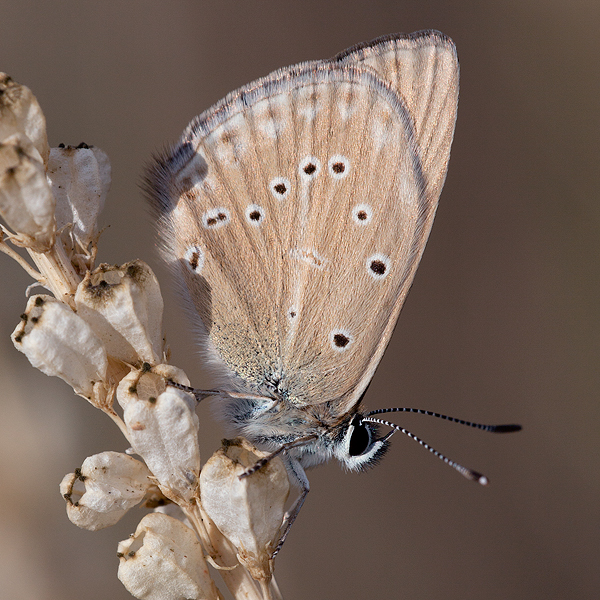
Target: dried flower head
80, 178
124, 306
20, 112
162, 427
60, 343
26, 201
163, 560
112, 484
100, 330
248, 511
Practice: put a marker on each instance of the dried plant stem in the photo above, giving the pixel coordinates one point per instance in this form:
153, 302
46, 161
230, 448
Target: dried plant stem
118, 421
194, 514
58, 272
4, 247
237, 579
109, 346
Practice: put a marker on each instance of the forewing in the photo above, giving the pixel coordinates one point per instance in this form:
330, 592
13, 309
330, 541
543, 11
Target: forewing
423, 68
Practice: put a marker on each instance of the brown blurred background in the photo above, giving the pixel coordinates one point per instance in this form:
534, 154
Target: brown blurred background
502, 323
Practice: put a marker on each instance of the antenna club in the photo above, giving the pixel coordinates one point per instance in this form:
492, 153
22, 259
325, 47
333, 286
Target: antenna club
507, 428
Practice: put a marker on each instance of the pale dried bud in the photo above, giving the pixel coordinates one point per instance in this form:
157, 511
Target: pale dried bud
21, 113
113, 483
249, 511
80, 180
171, 373
162, 427
163, 560
60, 343
124, 306
26, 201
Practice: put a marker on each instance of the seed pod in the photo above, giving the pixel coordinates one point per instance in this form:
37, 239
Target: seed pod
80, 178
163, 560
124, 306
249, 511
26, 201
162, 427
59, 342
21, 113
113, 483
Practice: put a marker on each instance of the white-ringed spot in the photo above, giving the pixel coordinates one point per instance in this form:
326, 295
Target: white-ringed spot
340, 339
194, 259
362, 214
280, 187
309, 168
215, 218
255, 214
339, 166
378, 266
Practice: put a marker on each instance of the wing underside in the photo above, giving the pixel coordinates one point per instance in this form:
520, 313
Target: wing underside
298, 209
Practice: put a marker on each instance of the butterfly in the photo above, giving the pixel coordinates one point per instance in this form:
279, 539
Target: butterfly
294, 213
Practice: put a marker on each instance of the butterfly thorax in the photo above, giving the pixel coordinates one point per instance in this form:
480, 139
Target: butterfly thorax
271, 422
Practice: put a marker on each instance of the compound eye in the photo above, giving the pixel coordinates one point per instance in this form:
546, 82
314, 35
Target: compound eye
360, 439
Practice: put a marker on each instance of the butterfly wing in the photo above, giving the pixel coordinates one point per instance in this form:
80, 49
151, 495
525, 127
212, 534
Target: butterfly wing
296, 211
423, 68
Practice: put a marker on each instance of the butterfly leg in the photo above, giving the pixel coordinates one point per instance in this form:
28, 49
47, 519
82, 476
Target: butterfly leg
298, 476
297, 471
198, 394
202, 394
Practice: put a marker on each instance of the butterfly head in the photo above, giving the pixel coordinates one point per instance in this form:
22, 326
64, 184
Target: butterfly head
359, 447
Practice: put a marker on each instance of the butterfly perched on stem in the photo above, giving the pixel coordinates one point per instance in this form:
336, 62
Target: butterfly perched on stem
294, 213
